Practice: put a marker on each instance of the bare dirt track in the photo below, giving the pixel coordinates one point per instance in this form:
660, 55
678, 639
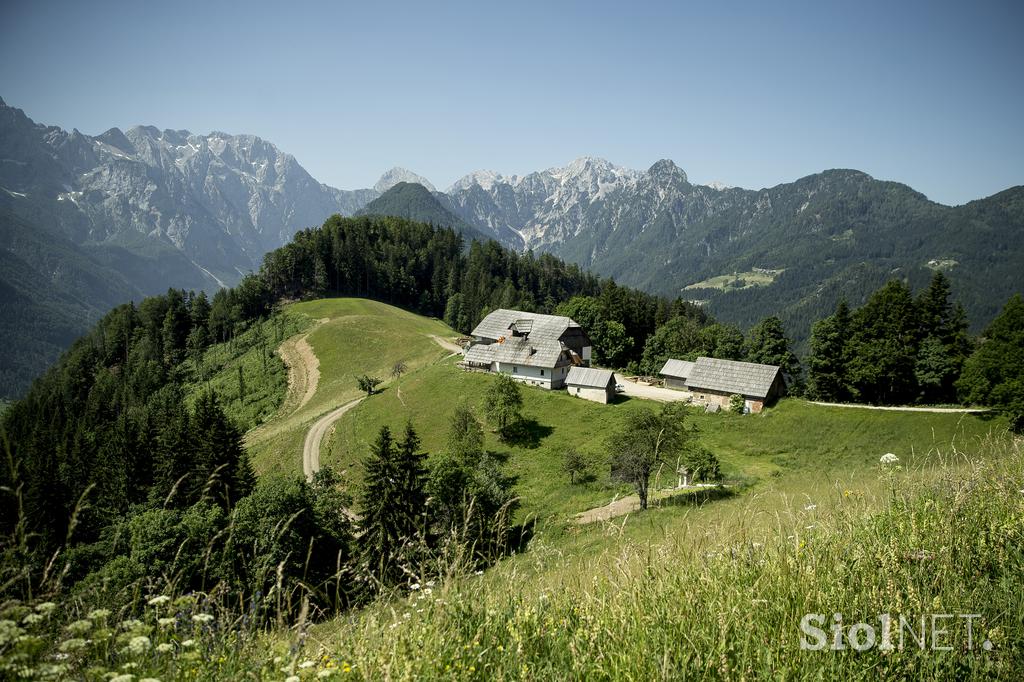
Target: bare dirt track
315, 436
303, 370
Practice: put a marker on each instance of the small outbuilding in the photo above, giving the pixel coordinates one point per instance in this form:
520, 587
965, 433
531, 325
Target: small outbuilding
713, 382
676, 372
590, 383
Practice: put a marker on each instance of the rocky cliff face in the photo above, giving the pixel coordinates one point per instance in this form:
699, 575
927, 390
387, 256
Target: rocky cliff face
221, 200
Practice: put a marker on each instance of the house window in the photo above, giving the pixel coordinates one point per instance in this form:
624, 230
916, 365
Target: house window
577, 390
542, 372
515, 370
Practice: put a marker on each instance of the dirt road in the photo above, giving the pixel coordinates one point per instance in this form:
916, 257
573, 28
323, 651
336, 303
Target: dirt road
303, 371
301, 358
447, 344
940, 410
665, 395
315, 436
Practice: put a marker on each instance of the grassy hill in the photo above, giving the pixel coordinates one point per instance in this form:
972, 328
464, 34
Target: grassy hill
349, 337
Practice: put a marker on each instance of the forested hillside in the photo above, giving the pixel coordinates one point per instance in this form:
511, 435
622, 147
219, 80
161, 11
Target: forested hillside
128, 424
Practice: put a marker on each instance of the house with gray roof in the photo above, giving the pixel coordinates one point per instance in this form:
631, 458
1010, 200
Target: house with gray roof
504, 323
532, 348
676, 372
712, 382
591, 383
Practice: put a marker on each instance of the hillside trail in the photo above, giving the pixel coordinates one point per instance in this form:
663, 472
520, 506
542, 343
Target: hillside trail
315, 436
447, 344
628, 504
937, 410
303, 370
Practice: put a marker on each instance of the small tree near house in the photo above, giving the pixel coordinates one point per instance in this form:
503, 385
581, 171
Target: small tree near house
368, 384
502, 404
736, 403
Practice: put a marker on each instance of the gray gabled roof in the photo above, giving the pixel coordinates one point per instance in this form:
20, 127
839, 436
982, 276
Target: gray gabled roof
519, 351
728, 376
539, 327
677, 369
589, 377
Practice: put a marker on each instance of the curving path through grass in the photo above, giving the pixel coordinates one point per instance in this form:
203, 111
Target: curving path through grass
315, 436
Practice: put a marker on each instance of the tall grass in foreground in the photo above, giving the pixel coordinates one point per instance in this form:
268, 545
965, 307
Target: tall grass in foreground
952, 543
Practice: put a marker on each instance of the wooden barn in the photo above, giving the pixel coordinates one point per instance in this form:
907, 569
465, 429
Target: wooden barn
676, 372
591, 384
713, 382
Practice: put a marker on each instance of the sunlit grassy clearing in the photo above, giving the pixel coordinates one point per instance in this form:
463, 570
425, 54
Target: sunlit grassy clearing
358, 337
723, 282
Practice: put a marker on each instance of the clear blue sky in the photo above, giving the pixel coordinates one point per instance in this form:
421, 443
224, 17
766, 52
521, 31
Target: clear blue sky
752, 94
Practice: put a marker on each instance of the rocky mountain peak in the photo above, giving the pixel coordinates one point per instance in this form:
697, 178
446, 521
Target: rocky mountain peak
486, 179
399, 174
666, 170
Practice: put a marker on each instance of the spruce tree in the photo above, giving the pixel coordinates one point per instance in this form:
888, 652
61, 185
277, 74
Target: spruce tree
381, 540
411, 501
827, 367
945, 343
768, 345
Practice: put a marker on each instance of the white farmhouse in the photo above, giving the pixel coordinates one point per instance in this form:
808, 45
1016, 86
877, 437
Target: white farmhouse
532, 348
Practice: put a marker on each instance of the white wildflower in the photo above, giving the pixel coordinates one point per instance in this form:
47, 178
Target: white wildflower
427, 590
129, 666
306, 664
165, 647
165, 622
131, 624
150, 679
73, 644
325, 673
126, 677
46, 607
202, 618
430, 583
414, 587
9, 630
32, 619
810, 507
889, 458
158, 600
292, 678
138, 645
478, 572
79, 627
188, 643
99, 614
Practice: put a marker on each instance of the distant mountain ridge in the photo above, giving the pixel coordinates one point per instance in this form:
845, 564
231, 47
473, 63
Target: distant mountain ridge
87, 222
808, 243
152, 209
